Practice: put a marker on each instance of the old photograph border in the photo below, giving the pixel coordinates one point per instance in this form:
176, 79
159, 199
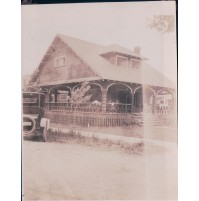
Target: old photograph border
188, 165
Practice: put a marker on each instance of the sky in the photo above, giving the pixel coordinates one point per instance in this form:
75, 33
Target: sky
103, 23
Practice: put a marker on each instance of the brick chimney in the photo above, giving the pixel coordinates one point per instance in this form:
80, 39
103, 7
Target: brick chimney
137, 50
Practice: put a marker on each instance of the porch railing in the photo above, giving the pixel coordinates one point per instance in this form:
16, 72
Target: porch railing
110, 108
80, 107
88, 107
118, 108
164, 110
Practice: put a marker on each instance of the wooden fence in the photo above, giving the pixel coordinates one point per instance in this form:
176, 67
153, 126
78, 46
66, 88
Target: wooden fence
107, 119
87, 119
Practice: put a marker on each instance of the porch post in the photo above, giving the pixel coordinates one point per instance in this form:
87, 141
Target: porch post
154, 104
132, 102
55, 95
47, 100
104, 100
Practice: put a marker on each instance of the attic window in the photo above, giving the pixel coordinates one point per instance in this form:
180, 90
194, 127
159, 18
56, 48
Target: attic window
60, 61
121, 61
135, 63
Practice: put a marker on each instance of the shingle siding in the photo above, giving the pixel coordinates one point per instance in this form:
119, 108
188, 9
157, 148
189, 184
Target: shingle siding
74, 68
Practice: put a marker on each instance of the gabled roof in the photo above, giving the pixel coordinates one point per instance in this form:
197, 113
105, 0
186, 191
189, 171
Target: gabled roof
90, 53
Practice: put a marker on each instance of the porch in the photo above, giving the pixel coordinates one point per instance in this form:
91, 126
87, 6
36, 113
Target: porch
111, 104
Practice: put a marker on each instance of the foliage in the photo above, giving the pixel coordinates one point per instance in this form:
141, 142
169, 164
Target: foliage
162, 23
32, 87
79, 94
132, 122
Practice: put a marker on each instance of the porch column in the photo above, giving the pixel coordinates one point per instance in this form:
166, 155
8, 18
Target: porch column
47, 100
55, 95
132, 103
104, 100
154, 104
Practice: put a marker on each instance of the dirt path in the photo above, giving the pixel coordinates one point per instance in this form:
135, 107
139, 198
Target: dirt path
53, 171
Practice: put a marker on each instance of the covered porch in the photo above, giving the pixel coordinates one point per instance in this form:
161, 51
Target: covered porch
112, 97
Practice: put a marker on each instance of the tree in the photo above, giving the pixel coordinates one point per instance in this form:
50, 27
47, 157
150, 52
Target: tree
32, 84
32, 87
162, 23
79, 96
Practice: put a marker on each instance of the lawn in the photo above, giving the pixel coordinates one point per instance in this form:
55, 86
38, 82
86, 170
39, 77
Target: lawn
149, 132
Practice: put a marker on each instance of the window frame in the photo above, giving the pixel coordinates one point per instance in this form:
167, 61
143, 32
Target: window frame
57, 59
131, 63
123, 58
61, 97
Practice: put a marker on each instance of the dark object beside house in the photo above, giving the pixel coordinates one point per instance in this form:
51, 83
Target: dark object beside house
34, 123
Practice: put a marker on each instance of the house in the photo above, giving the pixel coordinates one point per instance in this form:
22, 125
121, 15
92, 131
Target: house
121, 81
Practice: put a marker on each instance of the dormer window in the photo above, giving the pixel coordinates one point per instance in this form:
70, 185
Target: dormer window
135, 63
121, 61
60, 61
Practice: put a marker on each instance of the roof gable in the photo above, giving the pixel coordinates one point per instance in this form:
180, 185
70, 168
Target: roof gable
73, 67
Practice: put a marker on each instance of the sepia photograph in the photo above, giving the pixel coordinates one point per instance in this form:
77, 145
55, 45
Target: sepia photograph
99, 101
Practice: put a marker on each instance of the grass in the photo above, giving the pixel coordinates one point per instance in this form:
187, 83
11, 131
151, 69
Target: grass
76, 137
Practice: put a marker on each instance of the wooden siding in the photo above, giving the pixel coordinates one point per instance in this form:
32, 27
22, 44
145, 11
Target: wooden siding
73, 69
85, 119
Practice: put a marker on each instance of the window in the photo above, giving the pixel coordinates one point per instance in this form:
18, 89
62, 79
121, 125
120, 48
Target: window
122, 61
29, 100
60, 61
63, 97
135, 63
52, 98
